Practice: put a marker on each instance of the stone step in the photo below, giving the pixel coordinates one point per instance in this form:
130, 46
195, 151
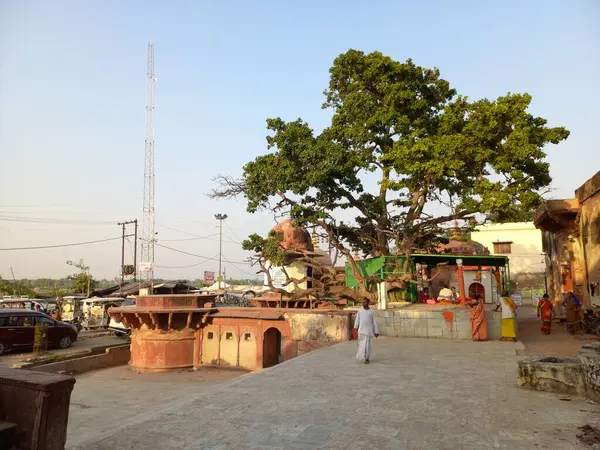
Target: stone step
7, 434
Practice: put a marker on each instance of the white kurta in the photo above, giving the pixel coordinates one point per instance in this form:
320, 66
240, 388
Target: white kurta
367, 327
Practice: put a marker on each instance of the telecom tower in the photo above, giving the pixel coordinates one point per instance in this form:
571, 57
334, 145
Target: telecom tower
147, 254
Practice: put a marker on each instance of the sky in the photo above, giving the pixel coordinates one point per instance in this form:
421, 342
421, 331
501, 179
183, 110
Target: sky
72, 106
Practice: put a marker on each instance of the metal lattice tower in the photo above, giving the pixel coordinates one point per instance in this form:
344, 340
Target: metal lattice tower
148, 235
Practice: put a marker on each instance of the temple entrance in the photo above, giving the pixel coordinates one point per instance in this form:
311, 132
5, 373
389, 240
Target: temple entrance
477, 288
271, 347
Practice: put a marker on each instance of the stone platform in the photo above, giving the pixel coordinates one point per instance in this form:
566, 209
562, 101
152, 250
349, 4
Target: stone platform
434, 321
416, 394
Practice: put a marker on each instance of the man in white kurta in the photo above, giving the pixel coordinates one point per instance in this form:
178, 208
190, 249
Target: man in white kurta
366, 326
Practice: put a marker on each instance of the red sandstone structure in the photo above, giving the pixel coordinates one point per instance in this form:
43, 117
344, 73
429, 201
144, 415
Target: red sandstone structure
571, 241
34, 409
184, 331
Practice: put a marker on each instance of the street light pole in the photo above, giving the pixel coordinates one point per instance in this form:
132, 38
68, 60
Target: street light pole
220, 218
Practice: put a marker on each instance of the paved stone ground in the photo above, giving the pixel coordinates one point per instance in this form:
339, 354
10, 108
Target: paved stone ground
417, 394
106, 399
558, 343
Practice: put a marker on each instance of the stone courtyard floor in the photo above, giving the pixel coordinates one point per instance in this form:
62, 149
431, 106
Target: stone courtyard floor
416, 394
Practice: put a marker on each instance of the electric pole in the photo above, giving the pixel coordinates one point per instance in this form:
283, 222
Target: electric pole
135, 266
123, 224
220, 218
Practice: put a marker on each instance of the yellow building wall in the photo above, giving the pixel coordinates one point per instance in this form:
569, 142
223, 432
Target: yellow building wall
248, 350
229, 348
295, 271
210, 347
526, 250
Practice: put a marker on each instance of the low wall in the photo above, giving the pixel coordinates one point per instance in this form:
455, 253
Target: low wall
320, 325
311, 330
450, 323
114, 356
38, 403
589, 354
575, 376
550, 374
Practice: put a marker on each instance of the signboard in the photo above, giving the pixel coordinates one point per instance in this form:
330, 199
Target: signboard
209, 277
518, 299
146, 266
278, 277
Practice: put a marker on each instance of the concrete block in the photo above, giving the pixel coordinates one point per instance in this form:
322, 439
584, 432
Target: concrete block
408, 332
435, 333
462, 316
421, 323
550, 374
463, 333
435, 323
448, 334
421, 332
398, 320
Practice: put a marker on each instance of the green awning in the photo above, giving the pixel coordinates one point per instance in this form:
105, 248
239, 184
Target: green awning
467, 260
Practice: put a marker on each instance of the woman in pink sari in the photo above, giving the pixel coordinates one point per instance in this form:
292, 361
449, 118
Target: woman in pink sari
478, 320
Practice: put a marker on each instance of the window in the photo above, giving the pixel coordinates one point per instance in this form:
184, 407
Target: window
229, 336
20, 321
502, 248
3, 321
247, 336
210, 335
40, 320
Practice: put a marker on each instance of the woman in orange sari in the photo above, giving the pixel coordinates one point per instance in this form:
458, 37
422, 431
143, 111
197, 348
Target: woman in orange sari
478, 320
545, 311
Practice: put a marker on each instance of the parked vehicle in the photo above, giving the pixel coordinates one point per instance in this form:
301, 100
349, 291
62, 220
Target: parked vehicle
23, 303
118, 328
95, 311
71, 309
17, 330
591, 321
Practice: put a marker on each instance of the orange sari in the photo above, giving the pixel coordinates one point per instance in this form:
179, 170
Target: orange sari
546, 316
478, 322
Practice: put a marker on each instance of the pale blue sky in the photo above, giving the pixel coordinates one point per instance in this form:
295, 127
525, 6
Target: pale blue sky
72, 94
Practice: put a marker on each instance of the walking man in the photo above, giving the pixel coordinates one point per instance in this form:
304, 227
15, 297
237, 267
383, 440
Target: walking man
365, 325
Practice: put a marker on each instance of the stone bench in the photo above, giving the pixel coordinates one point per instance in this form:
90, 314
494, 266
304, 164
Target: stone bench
37, 403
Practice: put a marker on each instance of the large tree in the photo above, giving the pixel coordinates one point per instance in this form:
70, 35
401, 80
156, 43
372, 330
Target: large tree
426, 144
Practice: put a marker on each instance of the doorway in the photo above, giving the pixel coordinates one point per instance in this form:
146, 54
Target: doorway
271, 347
477, 288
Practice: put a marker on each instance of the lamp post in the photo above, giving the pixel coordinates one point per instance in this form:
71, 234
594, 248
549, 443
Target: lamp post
220, 218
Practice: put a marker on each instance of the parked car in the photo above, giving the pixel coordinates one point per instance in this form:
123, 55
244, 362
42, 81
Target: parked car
118, 328
17, 330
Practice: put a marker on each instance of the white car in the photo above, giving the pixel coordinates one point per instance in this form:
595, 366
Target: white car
118, 328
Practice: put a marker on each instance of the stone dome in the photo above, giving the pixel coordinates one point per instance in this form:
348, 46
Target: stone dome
456, 247
294, 238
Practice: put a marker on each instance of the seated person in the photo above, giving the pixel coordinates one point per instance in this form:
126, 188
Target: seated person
445, 293
454, 298
424, 295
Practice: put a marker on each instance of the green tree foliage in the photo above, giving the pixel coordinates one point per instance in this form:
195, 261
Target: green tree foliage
425, 143
17, 287
82, 281
514, 213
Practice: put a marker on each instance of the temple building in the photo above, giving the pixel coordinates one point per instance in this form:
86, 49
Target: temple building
571, 240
